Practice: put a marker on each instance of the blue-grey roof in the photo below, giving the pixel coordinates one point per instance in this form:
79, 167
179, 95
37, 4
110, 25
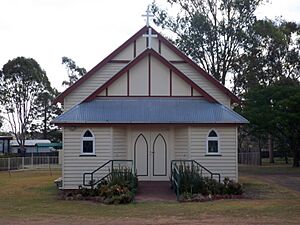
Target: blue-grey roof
149, 110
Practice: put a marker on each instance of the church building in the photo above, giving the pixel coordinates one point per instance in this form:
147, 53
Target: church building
148, 103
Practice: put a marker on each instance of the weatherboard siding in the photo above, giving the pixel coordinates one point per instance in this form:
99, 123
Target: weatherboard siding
91, 84
75, 165
119, 143
181, 143
226, 164
163, 82
202, 82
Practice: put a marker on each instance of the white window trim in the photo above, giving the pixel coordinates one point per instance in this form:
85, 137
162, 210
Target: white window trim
213, 139
87, 139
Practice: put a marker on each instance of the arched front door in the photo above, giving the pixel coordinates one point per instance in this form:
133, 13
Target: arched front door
150, 152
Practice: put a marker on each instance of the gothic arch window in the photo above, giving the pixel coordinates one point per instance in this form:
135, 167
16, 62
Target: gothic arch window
88, 143
212, 143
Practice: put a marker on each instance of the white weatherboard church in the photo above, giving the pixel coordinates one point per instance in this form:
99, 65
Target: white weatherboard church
149, 103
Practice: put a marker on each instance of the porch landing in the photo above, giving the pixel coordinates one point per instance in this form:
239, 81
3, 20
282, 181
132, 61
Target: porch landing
155, 191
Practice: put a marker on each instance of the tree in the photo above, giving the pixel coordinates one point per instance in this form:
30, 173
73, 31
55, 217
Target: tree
271, 56
1, 121
211, 32
22, 79
44, 112
275, 110
74, 72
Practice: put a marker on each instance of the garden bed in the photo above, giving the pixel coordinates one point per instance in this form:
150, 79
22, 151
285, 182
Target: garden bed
118, 188
193, 187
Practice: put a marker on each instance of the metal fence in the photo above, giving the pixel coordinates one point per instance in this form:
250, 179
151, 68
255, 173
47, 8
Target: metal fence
16, 163
249, 158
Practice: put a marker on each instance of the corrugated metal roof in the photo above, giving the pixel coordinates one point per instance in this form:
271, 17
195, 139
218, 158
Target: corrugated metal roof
150, 110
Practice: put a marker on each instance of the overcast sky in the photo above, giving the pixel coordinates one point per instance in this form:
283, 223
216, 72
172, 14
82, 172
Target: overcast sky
84, 30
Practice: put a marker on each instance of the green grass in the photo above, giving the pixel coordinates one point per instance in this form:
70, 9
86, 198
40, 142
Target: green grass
32, 194
269, 169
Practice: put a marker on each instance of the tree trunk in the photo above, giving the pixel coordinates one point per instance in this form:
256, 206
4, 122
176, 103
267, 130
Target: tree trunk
296, 153
286, 157
259, 149
296, 158
270, 148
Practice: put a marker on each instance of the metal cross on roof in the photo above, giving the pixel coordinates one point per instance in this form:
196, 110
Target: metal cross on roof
149, 35
148, 15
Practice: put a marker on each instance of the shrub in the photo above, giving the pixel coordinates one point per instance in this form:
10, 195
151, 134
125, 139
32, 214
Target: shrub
232, 187
191, 182
118, 188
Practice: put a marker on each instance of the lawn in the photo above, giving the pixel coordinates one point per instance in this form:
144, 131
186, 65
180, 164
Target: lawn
30, 197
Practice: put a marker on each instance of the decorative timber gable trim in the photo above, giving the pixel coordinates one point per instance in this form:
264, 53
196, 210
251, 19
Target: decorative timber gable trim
61, 96
149, 53
161, 39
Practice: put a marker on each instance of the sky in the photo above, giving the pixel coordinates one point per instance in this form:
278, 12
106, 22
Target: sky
84, 30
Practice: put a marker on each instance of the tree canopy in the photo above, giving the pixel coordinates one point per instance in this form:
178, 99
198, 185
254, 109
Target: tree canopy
275, 110
211, 32
22, 80
74, 71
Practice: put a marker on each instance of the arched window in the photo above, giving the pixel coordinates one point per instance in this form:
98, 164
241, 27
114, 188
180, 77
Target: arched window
88, 143
213, 143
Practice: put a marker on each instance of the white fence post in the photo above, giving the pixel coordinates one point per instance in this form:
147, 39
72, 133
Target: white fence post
8, 164
23, 166
31, 159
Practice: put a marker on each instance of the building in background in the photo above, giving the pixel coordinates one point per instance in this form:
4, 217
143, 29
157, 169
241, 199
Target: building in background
5, 144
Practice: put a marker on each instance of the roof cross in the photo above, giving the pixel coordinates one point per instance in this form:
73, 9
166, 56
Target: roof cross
148, 15
149, 35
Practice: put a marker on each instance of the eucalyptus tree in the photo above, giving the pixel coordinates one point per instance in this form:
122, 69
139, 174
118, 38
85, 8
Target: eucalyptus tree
74, 71
271, 56
274, 110
22, 80
211, 32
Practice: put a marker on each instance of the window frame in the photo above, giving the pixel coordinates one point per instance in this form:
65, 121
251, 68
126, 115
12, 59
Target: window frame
213, 139
87, 139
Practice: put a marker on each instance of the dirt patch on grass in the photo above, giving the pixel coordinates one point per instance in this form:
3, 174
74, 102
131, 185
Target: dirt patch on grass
203, 219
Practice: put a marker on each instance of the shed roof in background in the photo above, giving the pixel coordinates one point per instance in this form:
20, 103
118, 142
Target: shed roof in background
29, 142
149, 111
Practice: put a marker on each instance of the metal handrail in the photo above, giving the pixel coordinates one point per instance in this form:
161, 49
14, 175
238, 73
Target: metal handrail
92, 183
199, 165
176, 180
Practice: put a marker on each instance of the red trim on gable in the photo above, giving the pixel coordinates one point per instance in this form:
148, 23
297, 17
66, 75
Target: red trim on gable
115, 77
149, 74
132, 39
61, 96
197, 67
171, 82
182, 76
153, 53
128, 85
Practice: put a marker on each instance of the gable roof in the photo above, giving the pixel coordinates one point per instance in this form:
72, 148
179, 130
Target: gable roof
150, 52
215, 82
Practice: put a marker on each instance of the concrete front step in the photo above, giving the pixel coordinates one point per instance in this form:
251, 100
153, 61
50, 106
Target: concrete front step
155, 191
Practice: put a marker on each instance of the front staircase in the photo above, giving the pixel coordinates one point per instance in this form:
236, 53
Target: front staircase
104, 171
149, 190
